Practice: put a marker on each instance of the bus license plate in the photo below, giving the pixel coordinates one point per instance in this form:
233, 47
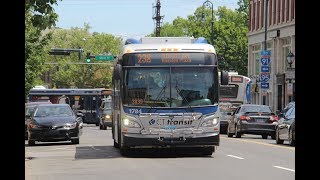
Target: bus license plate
170, 127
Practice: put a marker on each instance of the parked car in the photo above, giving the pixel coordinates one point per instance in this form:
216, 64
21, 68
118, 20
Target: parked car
253, 119
225, 112
29, 109
106, 114
53, 122
286, 127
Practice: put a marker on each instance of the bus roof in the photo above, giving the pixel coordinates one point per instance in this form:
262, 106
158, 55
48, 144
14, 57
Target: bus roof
167, 44
95, 91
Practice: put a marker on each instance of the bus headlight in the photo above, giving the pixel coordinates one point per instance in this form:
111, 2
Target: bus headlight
210, 121
130, 122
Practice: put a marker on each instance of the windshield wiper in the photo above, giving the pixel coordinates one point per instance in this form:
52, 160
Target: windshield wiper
184, 98
158, 97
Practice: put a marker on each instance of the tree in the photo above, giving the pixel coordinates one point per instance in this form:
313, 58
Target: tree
39, 16
81, 75
229, 33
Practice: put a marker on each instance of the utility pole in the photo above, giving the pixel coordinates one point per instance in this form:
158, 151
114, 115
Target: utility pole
265, 23
157, 18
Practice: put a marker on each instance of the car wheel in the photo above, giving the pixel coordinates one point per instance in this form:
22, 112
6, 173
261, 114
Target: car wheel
75, 141
238, 134
31, 142
208, 151
264, 136
273, 136
104, 127
291, 141
100, 127
228, 133
278, 140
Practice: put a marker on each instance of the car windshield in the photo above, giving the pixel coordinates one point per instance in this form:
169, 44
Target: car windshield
256, 109
53, 111
29, 110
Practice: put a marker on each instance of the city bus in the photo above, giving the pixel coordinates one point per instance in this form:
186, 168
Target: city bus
86, 101
238, 90
166, 95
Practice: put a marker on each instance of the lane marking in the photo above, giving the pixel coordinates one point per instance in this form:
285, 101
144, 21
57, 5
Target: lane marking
262, 143
235, 157
284, 168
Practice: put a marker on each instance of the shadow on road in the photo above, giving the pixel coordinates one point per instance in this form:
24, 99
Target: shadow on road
106, 152
96, 152
60, 143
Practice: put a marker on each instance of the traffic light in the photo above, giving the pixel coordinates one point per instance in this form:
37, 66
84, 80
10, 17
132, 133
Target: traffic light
88, 58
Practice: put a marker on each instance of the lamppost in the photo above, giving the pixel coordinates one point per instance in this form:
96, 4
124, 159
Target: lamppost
290, 60
206, 3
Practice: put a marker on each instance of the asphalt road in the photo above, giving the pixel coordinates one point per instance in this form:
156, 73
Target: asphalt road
95, 158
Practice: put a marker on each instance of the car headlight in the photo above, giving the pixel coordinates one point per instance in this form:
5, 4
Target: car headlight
210, 121
70, 125
107, 117
34, 126
130, 122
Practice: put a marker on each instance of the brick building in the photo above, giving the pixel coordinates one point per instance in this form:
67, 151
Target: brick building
280, 41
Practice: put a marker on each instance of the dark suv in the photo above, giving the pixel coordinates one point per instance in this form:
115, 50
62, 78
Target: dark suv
286, 128
253, 119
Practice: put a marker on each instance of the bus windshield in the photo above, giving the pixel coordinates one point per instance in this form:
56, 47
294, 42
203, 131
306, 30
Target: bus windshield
229, 91
170, 86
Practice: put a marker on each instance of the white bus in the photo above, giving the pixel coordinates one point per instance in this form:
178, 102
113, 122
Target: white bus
238, 91
166, 94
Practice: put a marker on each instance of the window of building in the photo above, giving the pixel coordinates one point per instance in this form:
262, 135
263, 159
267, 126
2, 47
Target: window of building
256, 57
286, 48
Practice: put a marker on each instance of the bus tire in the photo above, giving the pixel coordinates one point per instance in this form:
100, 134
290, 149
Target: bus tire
115, 144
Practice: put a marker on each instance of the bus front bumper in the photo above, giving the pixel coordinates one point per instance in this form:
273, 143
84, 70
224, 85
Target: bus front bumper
138, 140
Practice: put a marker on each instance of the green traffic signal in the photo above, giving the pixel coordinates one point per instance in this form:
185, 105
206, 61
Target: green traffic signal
88, 58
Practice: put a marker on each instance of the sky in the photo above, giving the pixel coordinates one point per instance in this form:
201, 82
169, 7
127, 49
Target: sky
126, 18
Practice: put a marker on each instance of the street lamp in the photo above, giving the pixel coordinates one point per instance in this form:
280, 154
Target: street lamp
290, 58
206, 3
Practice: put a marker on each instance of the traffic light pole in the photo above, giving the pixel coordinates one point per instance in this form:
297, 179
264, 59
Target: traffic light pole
65, 52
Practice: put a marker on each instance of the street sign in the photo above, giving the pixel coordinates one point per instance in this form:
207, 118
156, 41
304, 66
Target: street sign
265, 53
264, 77
104, 57
264, 85
265, 61
265, 68
265, 57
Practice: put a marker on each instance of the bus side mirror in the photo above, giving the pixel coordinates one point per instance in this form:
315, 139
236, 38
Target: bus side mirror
117, 72
224, 78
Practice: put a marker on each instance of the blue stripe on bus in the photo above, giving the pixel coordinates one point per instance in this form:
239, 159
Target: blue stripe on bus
203, 110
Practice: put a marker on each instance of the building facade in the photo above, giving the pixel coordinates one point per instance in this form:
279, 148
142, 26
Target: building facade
279, 38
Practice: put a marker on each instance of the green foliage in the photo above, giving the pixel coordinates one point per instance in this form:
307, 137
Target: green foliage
229, 33
39, 15
82, 75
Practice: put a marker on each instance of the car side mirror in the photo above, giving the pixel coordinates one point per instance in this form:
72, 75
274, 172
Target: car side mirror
229, 113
